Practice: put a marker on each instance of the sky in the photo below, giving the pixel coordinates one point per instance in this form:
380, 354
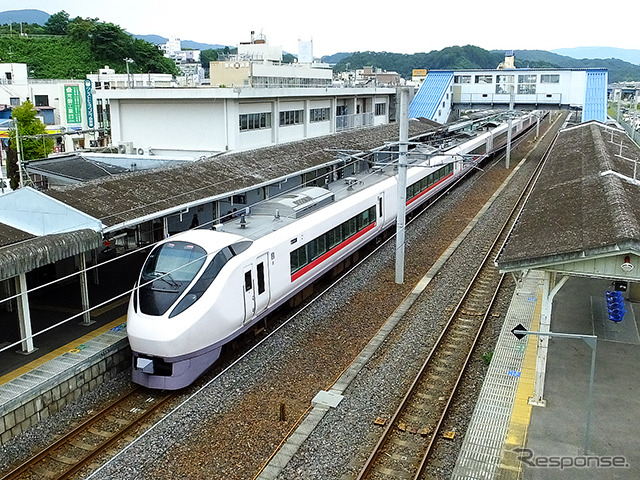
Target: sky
349, 26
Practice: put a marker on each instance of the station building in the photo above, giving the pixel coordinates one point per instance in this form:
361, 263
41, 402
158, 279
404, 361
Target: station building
208, 121
447, 92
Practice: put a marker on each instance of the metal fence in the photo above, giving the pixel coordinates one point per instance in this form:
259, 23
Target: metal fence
347, 122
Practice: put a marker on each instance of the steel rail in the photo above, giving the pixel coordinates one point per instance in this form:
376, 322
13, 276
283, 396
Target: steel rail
485, 264
49, 452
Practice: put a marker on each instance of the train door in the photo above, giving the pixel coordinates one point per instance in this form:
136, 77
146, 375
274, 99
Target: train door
249, 293
262, 292
380, 219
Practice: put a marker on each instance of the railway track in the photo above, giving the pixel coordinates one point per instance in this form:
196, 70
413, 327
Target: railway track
217, 437
414, 431
93, 437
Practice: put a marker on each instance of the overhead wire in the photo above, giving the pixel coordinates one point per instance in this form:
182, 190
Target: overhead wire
137, 250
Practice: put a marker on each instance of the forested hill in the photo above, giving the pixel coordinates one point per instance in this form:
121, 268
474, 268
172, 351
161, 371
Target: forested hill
65, 48
471, 57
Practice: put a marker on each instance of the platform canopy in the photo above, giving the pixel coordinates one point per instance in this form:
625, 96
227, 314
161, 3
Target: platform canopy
583, 215
29, 254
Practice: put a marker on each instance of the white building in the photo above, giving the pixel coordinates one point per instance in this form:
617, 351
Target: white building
204, 121
108, 79
61, 104
259, 64
445, 90
188, 61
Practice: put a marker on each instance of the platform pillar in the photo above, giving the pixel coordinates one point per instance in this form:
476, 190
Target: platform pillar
24, 316
84, 290
549, 290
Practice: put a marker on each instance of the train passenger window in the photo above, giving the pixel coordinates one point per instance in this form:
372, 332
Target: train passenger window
334, 236
312, 250
261, 282
351, 227
321, 247
248, 284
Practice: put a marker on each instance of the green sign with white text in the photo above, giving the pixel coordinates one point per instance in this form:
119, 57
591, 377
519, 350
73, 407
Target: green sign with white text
73, 102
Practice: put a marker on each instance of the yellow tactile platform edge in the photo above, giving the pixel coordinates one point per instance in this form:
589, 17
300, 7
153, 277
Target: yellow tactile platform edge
64, 349
510, 467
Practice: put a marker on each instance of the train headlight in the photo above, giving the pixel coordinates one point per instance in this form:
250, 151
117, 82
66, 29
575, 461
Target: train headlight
188, 300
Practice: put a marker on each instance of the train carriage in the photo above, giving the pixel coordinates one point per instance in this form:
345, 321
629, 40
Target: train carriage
201, 288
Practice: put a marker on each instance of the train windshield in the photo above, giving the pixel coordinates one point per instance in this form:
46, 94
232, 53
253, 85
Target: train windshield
167, 273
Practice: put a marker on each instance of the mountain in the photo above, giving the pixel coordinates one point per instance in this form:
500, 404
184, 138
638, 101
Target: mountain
335, 58
626, 54
40, 18
158, 39
24, 16
471, 57
619, 70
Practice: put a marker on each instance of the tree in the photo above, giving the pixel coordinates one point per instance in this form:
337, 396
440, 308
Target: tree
58, 23
80, 28
109, 41
30, 148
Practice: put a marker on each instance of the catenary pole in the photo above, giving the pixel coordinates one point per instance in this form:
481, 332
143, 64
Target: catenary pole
403, 93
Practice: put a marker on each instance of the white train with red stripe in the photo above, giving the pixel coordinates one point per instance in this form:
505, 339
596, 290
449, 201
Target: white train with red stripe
201, 288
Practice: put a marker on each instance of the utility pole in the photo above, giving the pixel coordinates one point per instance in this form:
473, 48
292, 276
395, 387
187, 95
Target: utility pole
1, 175
511, 102
634, 125
15, 121
402, 182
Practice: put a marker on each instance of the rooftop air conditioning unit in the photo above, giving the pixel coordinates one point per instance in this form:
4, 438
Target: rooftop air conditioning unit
144, 151
125, 147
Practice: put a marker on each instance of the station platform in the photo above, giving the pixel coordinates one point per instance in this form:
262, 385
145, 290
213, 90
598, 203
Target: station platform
509, 439
43, 386
70, 359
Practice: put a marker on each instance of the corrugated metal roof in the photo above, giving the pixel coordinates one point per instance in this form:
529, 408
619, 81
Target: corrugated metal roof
595, 102
574, 211
27, 255
74, 167
435, 85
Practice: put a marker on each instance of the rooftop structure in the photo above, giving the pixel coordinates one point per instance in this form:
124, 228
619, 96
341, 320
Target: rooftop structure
108, 79
207, 121
446, 91
259, 64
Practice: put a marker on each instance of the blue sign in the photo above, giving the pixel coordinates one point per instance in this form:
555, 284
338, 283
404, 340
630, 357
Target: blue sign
88, 91
513, 373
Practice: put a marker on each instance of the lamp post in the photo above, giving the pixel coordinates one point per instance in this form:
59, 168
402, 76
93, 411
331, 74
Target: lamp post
128, 61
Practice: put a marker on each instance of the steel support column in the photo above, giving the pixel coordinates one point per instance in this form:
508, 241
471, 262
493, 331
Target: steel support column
24, 316
84, 290
549, 290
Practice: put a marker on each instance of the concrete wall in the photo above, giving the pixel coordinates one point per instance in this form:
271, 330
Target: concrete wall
192, 124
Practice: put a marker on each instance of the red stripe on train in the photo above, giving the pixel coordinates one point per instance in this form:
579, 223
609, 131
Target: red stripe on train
413, 199
331, 252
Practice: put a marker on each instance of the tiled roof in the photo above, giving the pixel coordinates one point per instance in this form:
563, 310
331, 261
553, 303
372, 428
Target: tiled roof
575, 211
134, 195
